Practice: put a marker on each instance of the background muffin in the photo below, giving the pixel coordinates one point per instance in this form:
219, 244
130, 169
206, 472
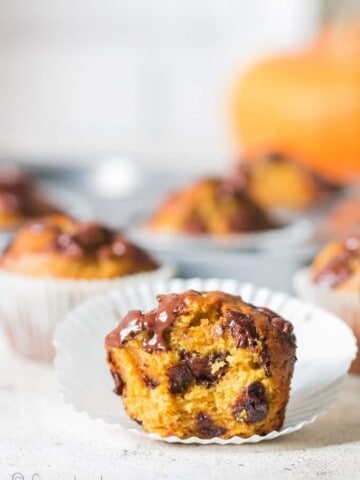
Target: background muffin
59, 246
203, 364
277, 181
52, 265
20, 199
210, 206
333, 281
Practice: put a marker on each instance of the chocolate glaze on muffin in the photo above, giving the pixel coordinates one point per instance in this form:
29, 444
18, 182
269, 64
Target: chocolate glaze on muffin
210, 206
203, 364
60, 246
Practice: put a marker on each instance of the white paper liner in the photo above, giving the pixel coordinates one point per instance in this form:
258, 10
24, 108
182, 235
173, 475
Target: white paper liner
31, 307
345, 304
289, 234
326, 347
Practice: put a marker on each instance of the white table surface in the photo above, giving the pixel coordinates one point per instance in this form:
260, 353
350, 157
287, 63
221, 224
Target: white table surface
41, 435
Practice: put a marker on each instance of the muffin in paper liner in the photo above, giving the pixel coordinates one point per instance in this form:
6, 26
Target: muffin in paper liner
31, 307
319, 372
344, 303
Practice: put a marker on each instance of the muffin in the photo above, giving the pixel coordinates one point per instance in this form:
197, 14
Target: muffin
53, 264
59, 246
276, 181
214, 206
333, 281
20, 199
203, 364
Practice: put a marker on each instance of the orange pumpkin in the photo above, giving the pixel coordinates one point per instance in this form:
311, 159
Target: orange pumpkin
305, 104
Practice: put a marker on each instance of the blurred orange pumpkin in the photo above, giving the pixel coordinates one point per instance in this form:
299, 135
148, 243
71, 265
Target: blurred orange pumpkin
306, 104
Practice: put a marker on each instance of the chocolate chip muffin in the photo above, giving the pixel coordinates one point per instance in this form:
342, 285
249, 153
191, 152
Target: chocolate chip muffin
20, 199
333, 282
59, 246
203, 364
214, 206
337, 266
277, 181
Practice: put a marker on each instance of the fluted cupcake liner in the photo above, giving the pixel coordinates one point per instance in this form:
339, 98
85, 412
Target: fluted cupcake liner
326, 347
31, 307
345, 304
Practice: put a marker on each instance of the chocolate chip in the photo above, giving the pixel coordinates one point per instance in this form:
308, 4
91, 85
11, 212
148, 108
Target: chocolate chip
242, 328
119, 383
264, 360
66, 244
91, 235
252, 406
156, 322
179, 378
201, 368
206, 427
150, 382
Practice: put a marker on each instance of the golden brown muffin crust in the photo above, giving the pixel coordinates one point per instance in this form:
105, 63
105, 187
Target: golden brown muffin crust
60, 246
210, 206
277, 181
203, 364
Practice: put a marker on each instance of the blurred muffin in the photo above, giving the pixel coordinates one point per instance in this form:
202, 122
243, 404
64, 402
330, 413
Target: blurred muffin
276, 181
210, 206
337, 266
59, 246
333, 281
203, 364
20, 200
53, 264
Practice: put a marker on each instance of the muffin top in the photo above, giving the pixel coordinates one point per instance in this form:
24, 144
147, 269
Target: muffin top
338, 265
20, 199
210, 206
278, 181
60, 246
220, 311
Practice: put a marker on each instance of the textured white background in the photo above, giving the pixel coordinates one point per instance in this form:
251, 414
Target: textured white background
40, 434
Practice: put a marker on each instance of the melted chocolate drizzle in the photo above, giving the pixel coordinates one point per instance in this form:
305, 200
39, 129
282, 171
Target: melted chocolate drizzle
92, 238
155, 322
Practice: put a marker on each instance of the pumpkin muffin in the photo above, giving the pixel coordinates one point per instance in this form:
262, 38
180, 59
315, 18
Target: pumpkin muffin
333, 281
59, 246
214, 206
276, 181
52, 265
203, 364
20, 199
